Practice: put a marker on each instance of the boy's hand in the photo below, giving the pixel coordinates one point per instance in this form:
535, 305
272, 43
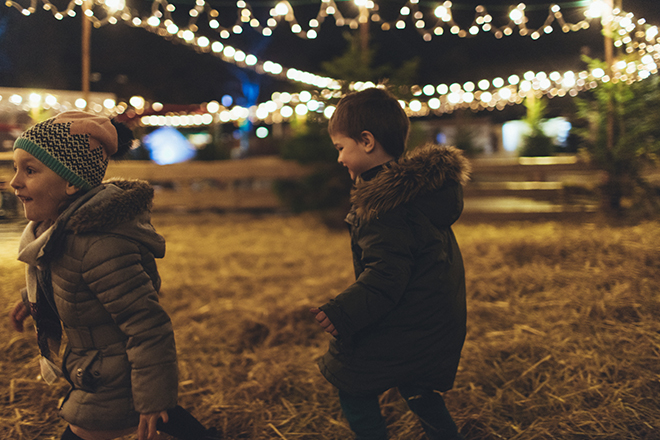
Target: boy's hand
18, 315
147, 427
324, 321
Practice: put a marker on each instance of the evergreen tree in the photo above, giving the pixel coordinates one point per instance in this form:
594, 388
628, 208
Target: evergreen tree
630, 112
536, 143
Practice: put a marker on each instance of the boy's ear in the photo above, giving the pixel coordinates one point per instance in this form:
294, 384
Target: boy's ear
71, 189
369, 141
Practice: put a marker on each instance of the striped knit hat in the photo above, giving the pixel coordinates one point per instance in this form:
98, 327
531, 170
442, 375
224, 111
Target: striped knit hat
76, 145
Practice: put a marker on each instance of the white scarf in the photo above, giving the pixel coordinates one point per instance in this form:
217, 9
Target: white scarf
30, 250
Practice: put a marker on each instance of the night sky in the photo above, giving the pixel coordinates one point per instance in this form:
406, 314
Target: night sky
41, 52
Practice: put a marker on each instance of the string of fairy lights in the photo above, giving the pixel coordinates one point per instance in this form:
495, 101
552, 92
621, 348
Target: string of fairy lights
638, 41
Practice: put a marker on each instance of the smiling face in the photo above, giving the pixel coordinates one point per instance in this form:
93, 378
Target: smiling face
43, 193
352, 154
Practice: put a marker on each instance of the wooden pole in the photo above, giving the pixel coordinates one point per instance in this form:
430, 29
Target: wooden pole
86, 38
364, 32
609, 61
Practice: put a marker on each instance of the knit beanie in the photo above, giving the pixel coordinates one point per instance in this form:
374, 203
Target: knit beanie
74, 144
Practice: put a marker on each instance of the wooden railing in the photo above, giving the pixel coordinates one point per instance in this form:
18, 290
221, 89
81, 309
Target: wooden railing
223, 185
528, 186
499, 185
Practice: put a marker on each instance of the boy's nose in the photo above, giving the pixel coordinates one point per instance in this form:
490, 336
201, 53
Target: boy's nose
14, 183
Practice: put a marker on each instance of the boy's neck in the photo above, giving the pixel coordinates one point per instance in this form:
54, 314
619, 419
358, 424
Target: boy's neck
379, 157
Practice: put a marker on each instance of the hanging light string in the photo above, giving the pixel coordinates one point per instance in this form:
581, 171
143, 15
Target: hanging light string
638, 39
636, 35
429, 19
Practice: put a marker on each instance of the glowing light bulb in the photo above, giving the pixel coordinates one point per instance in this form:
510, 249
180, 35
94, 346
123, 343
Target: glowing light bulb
282, 8
516, 15
504, 93
596, 9
428, 90
440, 11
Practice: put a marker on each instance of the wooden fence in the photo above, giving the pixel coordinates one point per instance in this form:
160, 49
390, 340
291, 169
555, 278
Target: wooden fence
532, 187
230, 185
509, 186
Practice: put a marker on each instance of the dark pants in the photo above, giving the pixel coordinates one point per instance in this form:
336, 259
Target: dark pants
364, 417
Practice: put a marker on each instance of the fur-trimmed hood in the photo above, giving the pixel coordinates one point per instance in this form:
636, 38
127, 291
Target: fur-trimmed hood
431, 174
121, 207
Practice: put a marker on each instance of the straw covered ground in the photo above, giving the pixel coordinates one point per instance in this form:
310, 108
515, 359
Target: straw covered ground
563, 331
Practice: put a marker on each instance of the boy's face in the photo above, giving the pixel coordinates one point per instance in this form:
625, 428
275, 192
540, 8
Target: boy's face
41, 190
352, 154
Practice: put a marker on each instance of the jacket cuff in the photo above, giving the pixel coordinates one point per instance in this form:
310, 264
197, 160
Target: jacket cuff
161, 392
26, 302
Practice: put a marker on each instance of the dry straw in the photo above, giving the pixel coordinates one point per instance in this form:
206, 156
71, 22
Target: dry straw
563, 332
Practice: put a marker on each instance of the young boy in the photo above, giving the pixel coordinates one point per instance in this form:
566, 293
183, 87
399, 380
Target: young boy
90, 252
402, 323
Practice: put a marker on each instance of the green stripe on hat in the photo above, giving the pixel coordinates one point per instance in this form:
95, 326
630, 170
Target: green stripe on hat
58, 167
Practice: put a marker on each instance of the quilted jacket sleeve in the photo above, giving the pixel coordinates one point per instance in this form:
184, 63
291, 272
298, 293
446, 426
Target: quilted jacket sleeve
113, 268
387, 247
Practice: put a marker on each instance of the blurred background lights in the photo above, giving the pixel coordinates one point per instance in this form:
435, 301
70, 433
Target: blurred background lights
328, 111
227, 100
415, 105
304, 96
301, 109
137, 101
516, 15
51, 101
261, 132
504, 93
639, 38
166, 145
213, 107
34, 100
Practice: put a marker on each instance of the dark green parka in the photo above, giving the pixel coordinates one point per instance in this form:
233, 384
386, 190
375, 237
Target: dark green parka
403, 321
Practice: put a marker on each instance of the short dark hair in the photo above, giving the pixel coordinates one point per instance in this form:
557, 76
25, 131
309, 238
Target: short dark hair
374, 110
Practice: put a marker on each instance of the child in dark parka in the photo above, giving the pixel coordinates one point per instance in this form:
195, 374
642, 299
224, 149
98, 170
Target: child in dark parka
90, 253
402, 323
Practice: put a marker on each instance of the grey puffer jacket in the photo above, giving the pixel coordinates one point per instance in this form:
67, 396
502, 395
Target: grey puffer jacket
403, 321
121, 357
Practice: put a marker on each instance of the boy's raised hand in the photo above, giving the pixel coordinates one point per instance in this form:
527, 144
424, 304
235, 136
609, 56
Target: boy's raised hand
324, 321
18, 315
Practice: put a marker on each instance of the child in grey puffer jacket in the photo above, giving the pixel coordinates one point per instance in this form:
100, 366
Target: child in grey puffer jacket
90, 251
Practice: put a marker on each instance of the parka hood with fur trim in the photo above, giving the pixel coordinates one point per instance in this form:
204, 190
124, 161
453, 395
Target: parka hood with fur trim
432, 176
119, 207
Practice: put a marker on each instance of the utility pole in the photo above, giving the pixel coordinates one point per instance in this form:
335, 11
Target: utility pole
364, 32
86, 38
608, 19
